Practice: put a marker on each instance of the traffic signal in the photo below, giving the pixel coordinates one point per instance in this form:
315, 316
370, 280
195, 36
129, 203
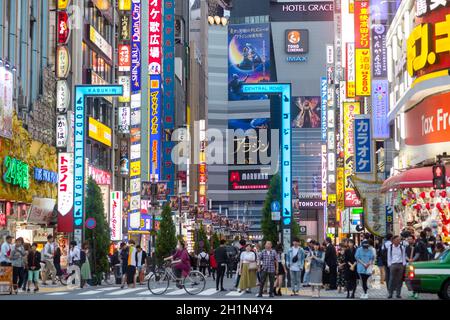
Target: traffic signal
439, 176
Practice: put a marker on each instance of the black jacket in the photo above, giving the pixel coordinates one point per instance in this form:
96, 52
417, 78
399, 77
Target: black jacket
221, 255
330, 256
34, 260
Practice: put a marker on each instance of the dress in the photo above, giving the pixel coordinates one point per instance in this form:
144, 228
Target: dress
86, 270
341, 271
316, 271
281, 262
248, 277
350, 276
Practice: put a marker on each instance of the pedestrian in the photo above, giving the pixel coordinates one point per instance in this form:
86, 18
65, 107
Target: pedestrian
27, 248
34, 265
131, 264
222, 260
384, 247
193, 260
247, 269
212, 264
341, 268
379, 261
17, 255
281, 274
331, 263
396, 263
74, 254
431, 241
268, 267
257, 249
203, 261
295, 261
181, 262
48, 254
350, 272
439, 250
123, 253
57, 261
365, 257
308, 249
371, 279
85, 265
422, 247
141, 259
317, 258
242, 246
5, 252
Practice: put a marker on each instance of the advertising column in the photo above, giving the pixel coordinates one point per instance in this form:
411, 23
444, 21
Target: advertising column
362, 48
134, 215
324, 100
154, 70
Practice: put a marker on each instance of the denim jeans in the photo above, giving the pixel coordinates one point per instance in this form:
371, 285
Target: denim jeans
306, 278
296, 280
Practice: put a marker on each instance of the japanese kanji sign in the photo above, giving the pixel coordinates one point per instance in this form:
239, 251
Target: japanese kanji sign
362, 48
363, 144
65, 192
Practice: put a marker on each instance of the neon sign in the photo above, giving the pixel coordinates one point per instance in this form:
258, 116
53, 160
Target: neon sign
16, 173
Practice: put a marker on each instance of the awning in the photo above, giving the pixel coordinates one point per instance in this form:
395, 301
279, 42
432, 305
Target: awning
413, 178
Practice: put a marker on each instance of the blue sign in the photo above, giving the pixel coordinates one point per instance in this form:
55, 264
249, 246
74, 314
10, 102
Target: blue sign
286, 141
324, 102
363, 144
380, 109
155, 126
91, 223
81, 92
275, 206
136, 46
43, 175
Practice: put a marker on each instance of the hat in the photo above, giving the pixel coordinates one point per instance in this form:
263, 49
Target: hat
308, 240
365, 243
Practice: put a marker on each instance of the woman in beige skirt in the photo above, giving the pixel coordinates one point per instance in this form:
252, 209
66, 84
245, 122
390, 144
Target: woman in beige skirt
247, 269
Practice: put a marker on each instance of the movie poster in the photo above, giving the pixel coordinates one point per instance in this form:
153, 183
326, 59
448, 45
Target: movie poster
306, 112
248, 58
249, 141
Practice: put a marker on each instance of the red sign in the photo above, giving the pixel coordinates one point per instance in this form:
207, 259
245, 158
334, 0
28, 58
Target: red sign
63, 27
101, 177
429, 121
2, 219
362, 25
124, 57
155, 37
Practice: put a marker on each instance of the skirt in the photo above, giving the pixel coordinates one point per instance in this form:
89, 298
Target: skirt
248, 278
315, 276
86, 271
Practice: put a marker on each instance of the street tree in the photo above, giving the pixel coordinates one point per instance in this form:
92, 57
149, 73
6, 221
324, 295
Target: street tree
166, 240
99, 237
268, 226
202, 240
215, 240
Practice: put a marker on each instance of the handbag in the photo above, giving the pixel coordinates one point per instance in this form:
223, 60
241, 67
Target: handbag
252, 266
295, 258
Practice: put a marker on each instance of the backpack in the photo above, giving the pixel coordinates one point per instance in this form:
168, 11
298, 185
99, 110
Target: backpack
383, 255
203, 260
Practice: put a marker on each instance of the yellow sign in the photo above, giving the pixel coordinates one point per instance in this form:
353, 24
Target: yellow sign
125, 5
62, 4
135, 169
331, 199
363, 72
98, 131
428, 48
340, 196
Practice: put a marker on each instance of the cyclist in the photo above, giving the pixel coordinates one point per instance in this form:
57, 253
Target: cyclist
181, 262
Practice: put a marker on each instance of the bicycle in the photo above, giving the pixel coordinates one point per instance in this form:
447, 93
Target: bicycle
159, 281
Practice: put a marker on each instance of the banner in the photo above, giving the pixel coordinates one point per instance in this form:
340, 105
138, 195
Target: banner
350, 70
380, 109
363, 144
136, 46
248, 58
324, 103
65, 192
350, 110
379, 49
6, 103
362, 48
115, 218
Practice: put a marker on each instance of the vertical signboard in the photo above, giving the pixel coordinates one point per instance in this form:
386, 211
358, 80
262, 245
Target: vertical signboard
363, 144
115, 218
340, 196
136, 46
362, 48
324, 103
350, 70
65, 192
350, 110
324, 172
379, 50
380, 109
154, 70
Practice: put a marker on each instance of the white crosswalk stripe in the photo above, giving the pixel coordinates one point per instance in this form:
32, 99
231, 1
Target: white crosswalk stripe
235, 294
91, 292
107, 288
177, 292
208, 292
121, 292
58, 293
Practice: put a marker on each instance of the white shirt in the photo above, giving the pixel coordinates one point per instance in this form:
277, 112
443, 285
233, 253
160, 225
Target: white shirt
74, 255
49, 250
203, 255
295, 266
139, 259
397, 255
6, 247
247, 257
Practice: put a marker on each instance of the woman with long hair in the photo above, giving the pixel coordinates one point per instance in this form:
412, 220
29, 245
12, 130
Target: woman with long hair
317, 264
350, 274
281, 257
247, 269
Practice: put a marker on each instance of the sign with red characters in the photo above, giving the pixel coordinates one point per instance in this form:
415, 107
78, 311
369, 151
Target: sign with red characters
362, 48
63, 27
124, 57
155, 37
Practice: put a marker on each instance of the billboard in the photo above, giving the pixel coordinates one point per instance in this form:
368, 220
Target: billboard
350, 110
6, 103
324, 105
99, 132
115, 218
155, 129
248, 58
350, 70
306, 112
363, 144
65, 192
248, 142
124, 120
380, 109
136, 46
248, 180
124, 56
379, 49
124, 158
362, 48
297, 41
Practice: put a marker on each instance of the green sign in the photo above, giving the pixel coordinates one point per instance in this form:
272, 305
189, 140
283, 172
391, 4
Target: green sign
16, 173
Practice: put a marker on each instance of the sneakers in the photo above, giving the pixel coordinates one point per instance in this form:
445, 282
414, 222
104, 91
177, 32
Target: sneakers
364, 296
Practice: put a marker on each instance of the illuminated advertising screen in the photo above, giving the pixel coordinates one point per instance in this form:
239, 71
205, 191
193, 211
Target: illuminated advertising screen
306, 112
248, 58
248, 180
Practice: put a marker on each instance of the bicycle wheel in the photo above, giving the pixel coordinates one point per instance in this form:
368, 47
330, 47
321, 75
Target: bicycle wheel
158, 283
194, 283
63, 279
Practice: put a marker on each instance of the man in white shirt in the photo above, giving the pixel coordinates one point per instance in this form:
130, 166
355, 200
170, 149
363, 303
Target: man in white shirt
48, 254
5, 252
396, 262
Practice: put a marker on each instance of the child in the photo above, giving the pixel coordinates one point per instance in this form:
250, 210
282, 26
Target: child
34, 265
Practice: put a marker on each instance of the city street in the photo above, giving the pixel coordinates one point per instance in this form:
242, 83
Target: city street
142, 293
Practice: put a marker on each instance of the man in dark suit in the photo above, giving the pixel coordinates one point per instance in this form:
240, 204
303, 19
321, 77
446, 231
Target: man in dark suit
331, 263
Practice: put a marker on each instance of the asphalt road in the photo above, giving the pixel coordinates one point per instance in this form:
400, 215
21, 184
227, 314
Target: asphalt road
114, 292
